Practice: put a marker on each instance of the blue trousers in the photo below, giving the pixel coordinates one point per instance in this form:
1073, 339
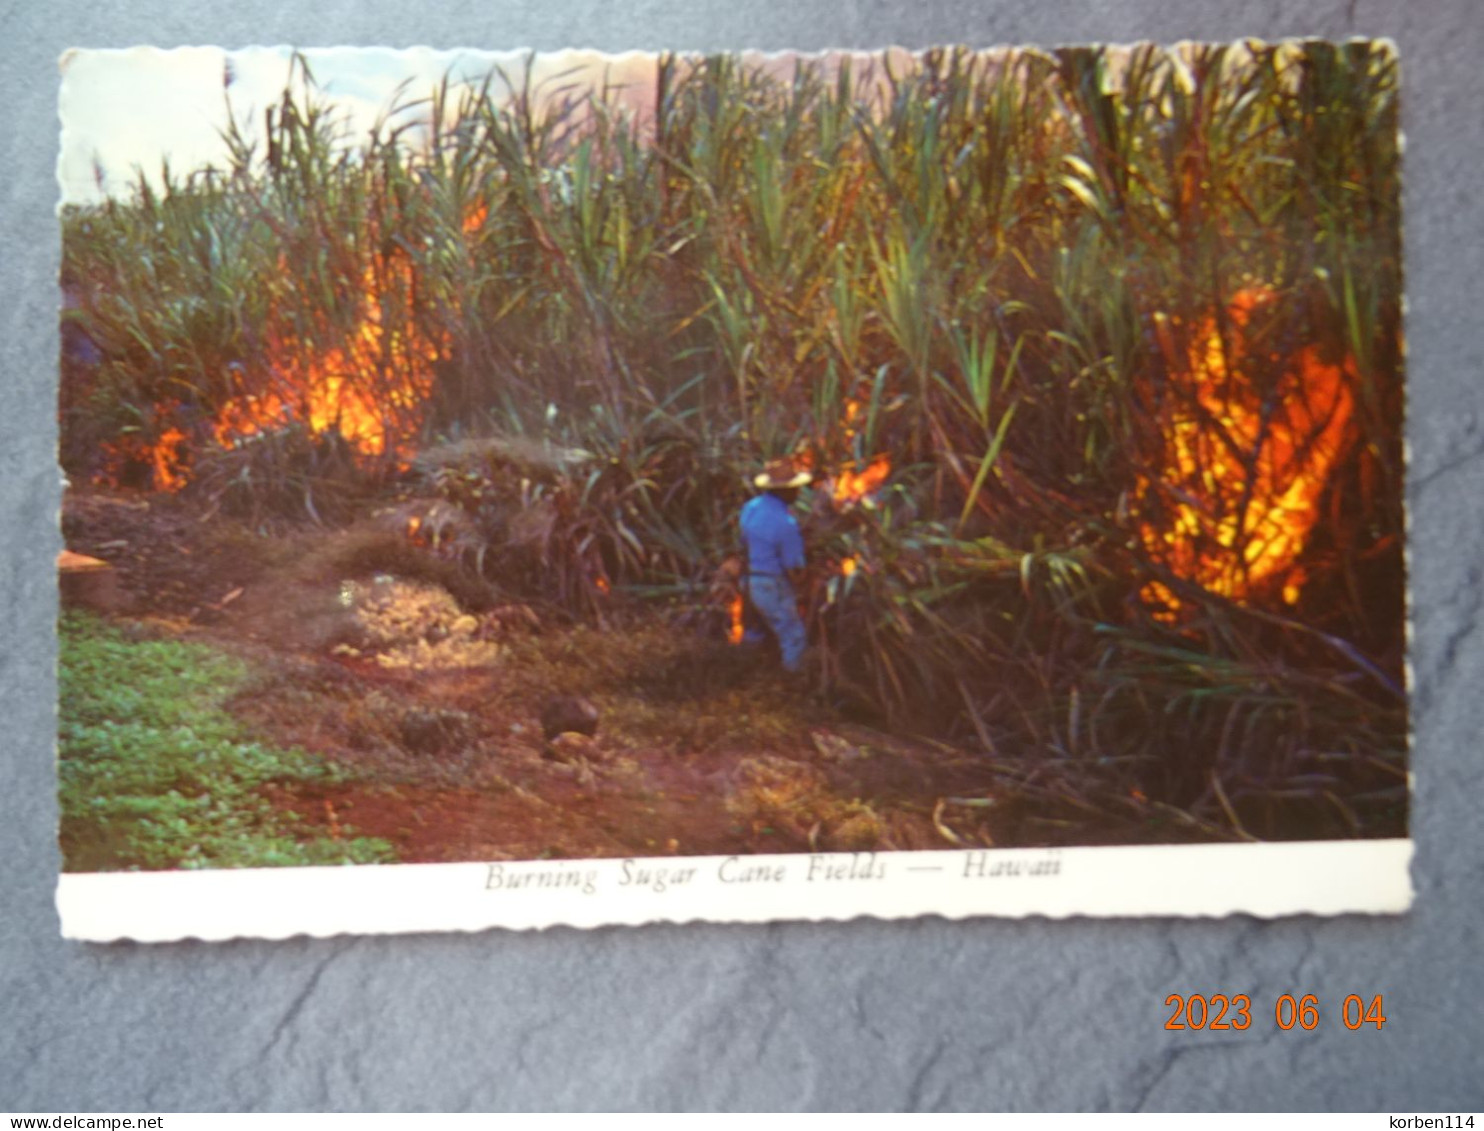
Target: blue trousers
774, 598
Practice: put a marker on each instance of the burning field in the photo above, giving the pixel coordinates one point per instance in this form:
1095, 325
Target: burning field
1094, 357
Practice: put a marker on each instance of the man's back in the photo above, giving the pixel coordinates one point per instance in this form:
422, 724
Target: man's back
771, 534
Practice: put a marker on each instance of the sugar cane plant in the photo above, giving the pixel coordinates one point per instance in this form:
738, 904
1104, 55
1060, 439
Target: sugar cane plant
1096, 355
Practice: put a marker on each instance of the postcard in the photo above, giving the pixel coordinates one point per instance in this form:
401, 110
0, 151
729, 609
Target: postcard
517, 489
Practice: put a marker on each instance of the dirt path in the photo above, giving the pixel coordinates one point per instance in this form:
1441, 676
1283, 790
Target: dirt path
433, 707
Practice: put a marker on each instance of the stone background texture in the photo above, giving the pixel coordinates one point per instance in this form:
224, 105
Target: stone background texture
923, 1014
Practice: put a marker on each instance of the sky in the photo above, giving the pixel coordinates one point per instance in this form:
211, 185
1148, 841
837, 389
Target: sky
123, 111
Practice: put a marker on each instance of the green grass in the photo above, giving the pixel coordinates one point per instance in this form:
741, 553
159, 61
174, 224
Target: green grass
155, 774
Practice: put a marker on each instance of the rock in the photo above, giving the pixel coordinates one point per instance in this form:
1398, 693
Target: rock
569, 713
573, 748
833, 748
434, 731
509, 619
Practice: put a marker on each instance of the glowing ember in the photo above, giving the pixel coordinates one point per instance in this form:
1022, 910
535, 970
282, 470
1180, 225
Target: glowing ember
1243, 492
848, 567
603, 586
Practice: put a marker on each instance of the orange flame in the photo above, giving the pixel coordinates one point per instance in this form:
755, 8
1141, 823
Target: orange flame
169, 460
854, 486
166, 459
475, 216
848, 567
371, 387
248, 415
734, 613
603, 586
1244, 490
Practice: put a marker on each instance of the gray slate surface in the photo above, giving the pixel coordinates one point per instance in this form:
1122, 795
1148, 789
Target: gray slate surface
923, 1014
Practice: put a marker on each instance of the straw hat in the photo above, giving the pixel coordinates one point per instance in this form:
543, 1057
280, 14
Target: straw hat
781, 475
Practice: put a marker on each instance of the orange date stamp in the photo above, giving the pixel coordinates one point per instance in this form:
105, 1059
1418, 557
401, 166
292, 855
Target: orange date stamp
1222, 1011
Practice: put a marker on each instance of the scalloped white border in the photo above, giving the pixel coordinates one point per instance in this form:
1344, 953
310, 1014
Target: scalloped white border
1266, 880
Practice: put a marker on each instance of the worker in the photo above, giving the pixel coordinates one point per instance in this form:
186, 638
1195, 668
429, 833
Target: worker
774, 549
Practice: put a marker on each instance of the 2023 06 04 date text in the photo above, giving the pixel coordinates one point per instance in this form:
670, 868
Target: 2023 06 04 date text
1222, 1011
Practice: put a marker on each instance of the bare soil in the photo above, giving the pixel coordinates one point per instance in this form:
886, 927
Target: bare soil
432, 703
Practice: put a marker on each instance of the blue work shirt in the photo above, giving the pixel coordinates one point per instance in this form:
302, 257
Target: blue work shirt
772, 536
